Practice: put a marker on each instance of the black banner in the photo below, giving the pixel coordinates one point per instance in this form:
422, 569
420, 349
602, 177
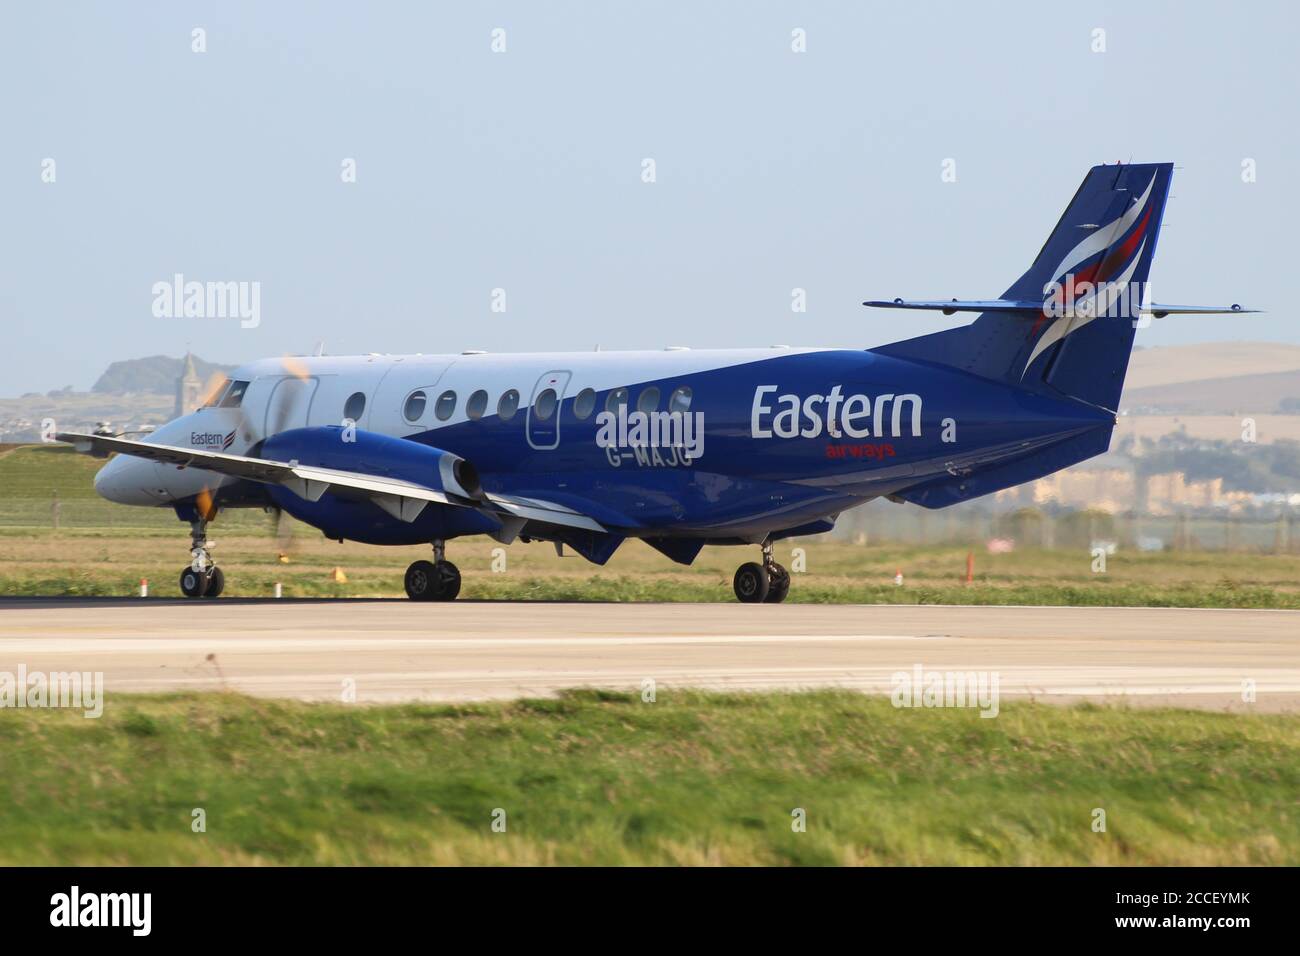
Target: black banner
331, 905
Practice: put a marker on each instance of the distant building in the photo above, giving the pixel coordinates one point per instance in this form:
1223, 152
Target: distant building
1113, 484
189, 389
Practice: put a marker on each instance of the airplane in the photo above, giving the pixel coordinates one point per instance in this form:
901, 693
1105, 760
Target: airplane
680, 448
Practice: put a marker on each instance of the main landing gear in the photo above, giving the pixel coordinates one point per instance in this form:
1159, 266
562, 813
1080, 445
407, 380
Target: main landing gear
762, 583
201, 578
436, 580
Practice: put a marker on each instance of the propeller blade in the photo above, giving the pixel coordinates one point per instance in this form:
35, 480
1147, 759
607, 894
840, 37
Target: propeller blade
284, 536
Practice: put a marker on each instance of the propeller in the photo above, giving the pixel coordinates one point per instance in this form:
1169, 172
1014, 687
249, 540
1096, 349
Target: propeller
212, 390
283, 398
285, 540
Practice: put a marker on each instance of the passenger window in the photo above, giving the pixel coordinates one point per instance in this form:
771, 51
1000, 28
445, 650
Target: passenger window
544, 407
414, 407
680, 400
584, 404
234, 396
508, 404
476, 405
445, 406
648, 400
354, 407
617, 397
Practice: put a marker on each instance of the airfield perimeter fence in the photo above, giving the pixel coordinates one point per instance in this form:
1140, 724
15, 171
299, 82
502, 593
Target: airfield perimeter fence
980, 527
83, 514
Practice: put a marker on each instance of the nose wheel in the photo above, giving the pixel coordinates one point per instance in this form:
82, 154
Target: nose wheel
209, 583
436, 580
201, 578
762, 583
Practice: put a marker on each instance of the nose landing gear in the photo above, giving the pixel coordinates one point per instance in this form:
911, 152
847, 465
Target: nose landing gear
201, 578
762, 583
436, 580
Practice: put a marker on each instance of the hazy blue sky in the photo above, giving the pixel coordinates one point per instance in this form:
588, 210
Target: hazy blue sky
522, 170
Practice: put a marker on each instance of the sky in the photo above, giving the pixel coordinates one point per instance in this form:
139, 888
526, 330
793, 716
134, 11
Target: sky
500, 199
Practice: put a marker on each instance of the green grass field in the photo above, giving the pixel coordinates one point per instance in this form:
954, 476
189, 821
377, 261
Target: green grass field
105, 549
600, 778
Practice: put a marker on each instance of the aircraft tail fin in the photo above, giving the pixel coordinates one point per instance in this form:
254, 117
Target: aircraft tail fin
1066, 326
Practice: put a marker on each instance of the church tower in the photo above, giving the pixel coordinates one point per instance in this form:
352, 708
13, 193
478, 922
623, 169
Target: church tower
189, 389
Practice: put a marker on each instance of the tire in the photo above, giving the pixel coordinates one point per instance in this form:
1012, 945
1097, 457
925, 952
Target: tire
780, 585
421, 581
751, 583
193, 583
216, 583
448, 581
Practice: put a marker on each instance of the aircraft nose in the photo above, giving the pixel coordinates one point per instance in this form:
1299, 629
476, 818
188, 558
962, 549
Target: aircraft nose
127, 481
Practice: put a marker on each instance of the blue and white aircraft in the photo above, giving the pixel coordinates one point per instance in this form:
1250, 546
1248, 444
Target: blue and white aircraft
678, 448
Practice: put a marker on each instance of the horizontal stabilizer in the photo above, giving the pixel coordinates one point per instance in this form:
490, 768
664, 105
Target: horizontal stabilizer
952, 306
1160, 311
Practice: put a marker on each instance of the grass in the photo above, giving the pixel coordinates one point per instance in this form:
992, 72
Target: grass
111, 561
102, 549
603, 778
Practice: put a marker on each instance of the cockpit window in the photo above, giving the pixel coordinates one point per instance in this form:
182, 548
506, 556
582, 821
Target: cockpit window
214, 395
234, 396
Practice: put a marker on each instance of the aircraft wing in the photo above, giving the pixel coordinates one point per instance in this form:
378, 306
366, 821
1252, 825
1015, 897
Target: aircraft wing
534, 509
402, 499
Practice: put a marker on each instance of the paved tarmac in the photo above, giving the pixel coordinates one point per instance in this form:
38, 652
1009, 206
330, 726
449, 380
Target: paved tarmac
400, 650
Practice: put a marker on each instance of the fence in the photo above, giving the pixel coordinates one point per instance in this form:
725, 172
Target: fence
975, 526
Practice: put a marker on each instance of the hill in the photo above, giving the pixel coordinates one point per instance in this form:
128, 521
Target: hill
1270, 392
1215, 378
1167, 365
156, 374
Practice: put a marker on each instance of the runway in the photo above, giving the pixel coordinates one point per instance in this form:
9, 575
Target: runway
399, 650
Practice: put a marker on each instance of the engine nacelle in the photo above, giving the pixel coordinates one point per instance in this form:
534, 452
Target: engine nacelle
370, 453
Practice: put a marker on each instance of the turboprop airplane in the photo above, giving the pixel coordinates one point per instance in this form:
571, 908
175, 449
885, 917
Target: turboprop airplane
678, 448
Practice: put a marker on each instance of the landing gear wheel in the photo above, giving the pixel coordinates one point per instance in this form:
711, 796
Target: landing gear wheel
194, 584
421, 581
780, 584
449, 577
751, 583
429, 581
216, 583
210, 581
